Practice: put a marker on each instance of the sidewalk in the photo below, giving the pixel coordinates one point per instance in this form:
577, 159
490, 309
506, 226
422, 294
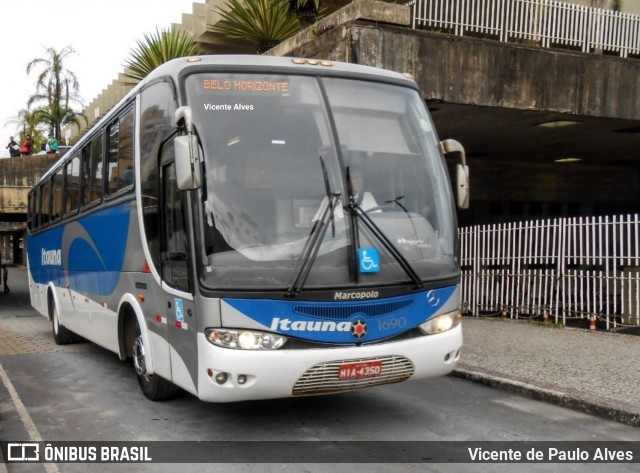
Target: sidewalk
594, 372
591, 371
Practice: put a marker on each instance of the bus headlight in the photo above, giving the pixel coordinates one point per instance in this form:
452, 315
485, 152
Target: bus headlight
244, 339
441, 323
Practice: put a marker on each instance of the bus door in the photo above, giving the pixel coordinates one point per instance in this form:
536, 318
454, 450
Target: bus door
175, 264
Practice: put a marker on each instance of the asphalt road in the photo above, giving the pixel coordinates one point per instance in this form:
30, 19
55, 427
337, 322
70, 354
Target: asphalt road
82, 392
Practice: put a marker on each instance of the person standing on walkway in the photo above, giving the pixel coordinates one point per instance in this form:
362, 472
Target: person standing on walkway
13, 147
27, 146
52, 144
5, 277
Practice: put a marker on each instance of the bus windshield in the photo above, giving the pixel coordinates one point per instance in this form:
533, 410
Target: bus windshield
276, 147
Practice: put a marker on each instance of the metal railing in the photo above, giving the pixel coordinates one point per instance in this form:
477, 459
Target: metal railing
560, 269
547, 23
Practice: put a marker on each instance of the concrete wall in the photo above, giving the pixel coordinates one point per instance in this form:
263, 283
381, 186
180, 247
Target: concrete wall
480, 72
17, 176
489, 73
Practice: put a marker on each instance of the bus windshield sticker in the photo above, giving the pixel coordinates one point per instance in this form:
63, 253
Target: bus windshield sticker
369, 259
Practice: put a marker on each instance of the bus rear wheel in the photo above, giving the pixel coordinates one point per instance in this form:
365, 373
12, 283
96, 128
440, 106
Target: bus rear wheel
153, 387
61, 335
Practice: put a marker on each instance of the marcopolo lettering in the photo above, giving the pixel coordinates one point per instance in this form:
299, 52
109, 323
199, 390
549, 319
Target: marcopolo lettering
343, 296
309, 325
419, 243
51, 257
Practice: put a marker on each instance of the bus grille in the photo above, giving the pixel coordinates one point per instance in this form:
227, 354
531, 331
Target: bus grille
323, 377
342, 311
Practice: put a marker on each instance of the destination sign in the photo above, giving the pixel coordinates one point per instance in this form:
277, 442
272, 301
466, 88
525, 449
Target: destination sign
245, 85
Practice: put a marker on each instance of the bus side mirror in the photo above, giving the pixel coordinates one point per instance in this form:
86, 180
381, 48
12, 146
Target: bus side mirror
462, 171
462, 186
187, 156
188, 173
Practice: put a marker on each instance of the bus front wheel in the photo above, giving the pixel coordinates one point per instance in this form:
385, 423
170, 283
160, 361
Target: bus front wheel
61, 335
153, 387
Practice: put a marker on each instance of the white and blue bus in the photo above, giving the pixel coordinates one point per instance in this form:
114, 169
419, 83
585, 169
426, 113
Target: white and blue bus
249, 227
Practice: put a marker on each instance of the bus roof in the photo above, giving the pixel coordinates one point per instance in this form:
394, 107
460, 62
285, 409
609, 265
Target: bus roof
312, 66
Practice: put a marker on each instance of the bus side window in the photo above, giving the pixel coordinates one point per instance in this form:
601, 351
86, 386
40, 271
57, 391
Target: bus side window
72, 185
174, 233
156, 123
57, 203
120, 154
46, 203
92, 171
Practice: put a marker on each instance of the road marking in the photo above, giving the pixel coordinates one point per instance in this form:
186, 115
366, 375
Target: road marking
32, 430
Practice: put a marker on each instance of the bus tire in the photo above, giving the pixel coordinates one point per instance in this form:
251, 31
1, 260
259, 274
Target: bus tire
154, 387
61, 335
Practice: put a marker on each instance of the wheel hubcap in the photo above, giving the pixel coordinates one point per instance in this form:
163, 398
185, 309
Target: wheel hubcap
138, 356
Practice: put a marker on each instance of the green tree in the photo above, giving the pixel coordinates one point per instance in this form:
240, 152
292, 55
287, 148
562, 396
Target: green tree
28, 123
156, 49
57, 88
261, 23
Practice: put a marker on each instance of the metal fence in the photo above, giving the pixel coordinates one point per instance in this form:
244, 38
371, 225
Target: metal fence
560, 269
548, 23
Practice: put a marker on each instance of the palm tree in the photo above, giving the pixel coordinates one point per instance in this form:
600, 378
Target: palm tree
28, 123
156, 49
57, 87
59, 117
262, 23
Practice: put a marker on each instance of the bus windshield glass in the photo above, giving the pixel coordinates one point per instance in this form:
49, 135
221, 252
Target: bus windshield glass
276, 147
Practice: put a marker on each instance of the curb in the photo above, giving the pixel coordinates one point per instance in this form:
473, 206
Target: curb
554, 397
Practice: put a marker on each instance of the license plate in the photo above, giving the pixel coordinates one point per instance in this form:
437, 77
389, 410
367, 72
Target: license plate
360, 369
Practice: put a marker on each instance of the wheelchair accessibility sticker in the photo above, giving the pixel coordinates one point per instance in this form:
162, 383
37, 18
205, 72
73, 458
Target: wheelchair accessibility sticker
180, 323
179, 310
369, 259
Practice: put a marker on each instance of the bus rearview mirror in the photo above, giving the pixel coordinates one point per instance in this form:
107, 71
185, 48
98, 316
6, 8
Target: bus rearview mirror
450, 147
462, 186
188, 172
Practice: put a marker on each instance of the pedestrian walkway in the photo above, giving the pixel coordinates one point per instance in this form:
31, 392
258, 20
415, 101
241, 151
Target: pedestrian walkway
592, 371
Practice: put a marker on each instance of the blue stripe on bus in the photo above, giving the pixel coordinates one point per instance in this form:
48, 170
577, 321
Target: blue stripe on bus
345, 322
86, 253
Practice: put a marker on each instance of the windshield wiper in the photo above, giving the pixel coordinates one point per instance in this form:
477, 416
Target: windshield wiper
398, 203
314, 240
356, 211
327, 189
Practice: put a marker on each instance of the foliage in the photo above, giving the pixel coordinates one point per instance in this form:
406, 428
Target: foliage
29, 124
65, 116
262, 23
56, 87
156, 49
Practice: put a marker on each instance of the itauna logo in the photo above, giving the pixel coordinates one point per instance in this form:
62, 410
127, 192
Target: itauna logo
51, 257
358, 328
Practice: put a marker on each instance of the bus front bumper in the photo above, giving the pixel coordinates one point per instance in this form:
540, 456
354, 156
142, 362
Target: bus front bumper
227, 375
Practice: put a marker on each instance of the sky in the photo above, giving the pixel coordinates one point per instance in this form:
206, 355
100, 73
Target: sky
101, 32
